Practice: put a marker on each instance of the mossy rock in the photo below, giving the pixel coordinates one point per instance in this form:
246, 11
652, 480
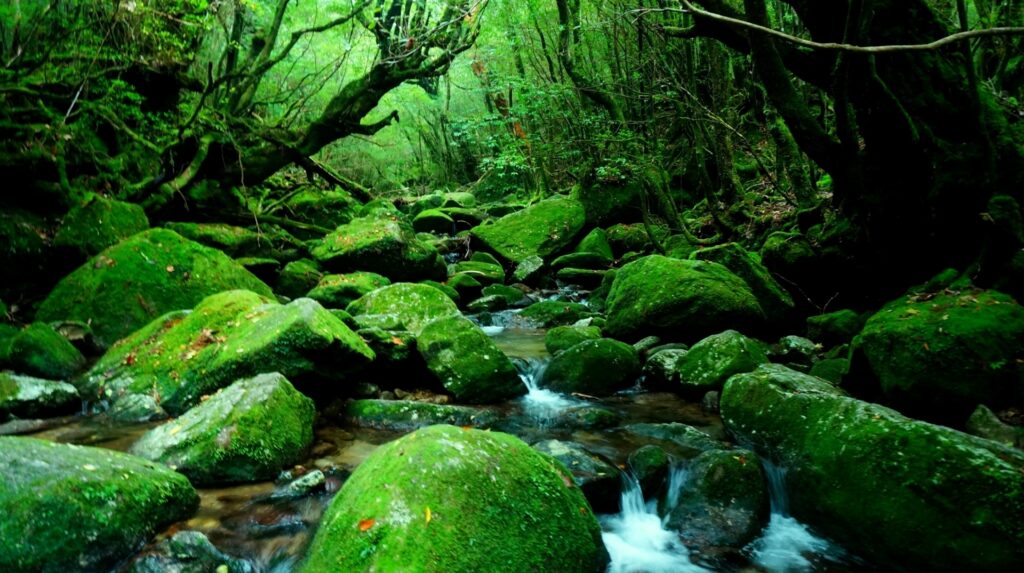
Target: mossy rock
681, 440
406, 415
593, 367
484, 257
187, 552
27, 397
679, 300
99, 223
326, 209
724, 502
939, 357
774, 299
529, 269
337, 291
580, 261
511, 294
37, 350
465, 218
597, 478
72, 508
182, 356
835, 328
382, 244
916, 496
625, 238
550, 313
402, 306
712, 361
485, 273
661, 370
562, 338
128, 285
234, 241
491, 303
433, 221
298, 278
650, 464
789, 254
467, 362
541, 230
248, 431
605, 204
831, 369
586, 278
596, 243
445, 499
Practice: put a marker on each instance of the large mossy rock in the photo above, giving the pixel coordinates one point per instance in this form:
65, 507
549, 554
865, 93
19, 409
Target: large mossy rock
712, 361
938, 357
550, 313
141, 278
724, 502
38, 350
246, 432
445, 499
27, 397
594, 367
678, 300
913, 495
542, 229
467, 362
402, 306
327, 209
338, 291
234, 241
71, 508
776, 301
99, 223
385, 245
406, 415
182, 356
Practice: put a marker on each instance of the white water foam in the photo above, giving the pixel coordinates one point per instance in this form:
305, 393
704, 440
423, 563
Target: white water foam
637, 540
540, 404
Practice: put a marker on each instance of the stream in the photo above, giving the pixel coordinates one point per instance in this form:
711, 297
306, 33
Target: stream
260, 523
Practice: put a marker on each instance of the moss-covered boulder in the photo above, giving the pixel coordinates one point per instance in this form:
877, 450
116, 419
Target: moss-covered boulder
529, 269
234, 241
724, 502
632, 238
72, 508
445, 499
467, 362
405, 415
678, 300
246, 432
99, 223
650, 464
585, 278
402, 306
541, 230
484, 273
597, 478
776, 301
986, 424
898, 491
327, 209
562, 338
141, 278
939, 357
712, 361
27, 397
590, 261
298, 278
681, 440
385, 245
433, 221
187, 552
835, 328
596, 243
337, 291
38, 350
183, 356
593, 367
661, 369
550, 313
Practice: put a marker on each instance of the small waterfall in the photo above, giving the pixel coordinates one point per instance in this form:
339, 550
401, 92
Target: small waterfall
540, 404
786, 545
637, 540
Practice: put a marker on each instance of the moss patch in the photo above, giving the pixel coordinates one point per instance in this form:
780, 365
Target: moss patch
540, 230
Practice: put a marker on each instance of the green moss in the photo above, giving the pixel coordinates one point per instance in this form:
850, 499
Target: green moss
899, 491
485, 273
596, 242
70, 508
712, 361
540, 230
467, 362
234, 241
99, 223
248, 431
834, 328
444, 499
512, 295
594, 367
405, 415
141, 278
549, 313
327, 209
433, 221
337, 291
298, 278
26, 397
632, 237
402, 306
775, 300
787, 252
678, 300
237, 334
382, 244
37, 350
580, 261
562, 338
586, 278
939, 357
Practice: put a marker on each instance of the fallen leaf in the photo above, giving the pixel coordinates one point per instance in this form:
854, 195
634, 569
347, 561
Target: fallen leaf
170, 268
397, 341
366, 524
428, 515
